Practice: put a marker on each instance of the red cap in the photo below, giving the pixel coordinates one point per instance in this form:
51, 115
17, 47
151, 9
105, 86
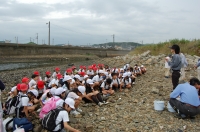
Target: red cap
57, 69
18, 86
73, 67
84, 67
36, 73
25, 80
99, 65
69, 70
48, 73
90, 67
94, 65
23, 87
95, 69
40, 84
82, 73
59, 76
81, 67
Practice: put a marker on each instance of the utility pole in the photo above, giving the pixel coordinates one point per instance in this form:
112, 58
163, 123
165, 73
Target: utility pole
113, 38
37, 38
49, 32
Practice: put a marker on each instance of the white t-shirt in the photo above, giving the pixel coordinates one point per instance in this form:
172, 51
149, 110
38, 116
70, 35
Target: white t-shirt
54, 75
127, 81
23, 101
105, 86
32, 83
97, 78
62, 116
116, 81
60, 102
54, 81
72, 95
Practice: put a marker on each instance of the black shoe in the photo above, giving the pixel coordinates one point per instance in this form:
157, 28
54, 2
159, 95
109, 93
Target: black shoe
181, 116
192, 117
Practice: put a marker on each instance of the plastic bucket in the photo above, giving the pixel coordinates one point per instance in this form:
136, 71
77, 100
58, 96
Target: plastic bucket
169, 107
159, 105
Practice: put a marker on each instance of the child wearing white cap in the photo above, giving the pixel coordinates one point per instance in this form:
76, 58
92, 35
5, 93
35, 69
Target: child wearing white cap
107, 87
126, 81
63, 116
92, 95
77, 94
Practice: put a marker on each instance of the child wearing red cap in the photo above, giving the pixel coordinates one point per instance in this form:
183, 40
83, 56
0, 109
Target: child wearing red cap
90, 71
48, 78
57, 71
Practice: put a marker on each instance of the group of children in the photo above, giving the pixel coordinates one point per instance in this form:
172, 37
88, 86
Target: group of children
94, 83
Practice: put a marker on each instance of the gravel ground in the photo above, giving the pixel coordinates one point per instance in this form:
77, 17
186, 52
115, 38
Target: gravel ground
128, 111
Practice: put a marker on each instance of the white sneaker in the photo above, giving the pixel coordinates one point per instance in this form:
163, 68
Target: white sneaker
100, 104
104, 102
79, 110
74, 112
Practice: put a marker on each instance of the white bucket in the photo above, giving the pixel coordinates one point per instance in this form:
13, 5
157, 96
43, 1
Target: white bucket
169, 107
159, 105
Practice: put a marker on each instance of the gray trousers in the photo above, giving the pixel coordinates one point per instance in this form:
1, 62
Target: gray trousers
183, 108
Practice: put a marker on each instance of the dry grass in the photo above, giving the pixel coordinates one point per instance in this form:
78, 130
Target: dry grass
187, 47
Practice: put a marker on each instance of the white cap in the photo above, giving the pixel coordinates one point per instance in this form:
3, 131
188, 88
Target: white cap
34, 91
86, 76
121, 69
81, 89
89, 81
66, 78
59, 91
70, 102
142, 66
106, 73
101, 71
13, 89
167, 57
77, 77
52, 91
125, 75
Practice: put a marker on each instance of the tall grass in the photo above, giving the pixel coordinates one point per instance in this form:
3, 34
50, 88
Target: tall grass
187, 47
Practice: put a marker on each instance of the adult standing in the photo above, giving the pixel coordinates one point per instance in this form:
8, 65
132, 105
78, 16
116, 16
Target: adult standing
198, 69
175, 65
2, 87
183, 66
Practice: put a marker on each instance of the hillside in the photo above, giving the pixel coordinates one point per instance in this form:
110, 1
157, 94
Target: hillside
188, 47
123, 45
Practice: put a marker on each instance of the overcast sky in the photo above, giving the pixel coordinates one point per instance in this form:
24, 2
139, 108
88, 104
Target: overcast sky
94, 21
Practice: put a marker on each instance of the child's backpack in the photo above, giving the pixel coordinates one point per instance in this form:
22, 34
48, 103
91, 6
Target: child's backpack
22, 123
49, 121
50, 105
12, 103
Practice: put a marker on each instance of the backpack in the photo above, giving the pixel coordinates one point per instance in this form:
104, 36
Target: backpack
49, 121
50, 105
18, 109
10, 105
22, 123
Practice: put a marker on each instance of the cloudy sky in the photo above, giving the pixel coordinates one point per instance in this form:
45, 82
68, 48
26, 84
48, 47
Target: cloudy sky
83, 22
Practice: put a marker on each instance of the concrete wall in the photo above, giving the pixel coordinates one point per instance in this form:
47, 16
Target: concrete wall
24, 49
